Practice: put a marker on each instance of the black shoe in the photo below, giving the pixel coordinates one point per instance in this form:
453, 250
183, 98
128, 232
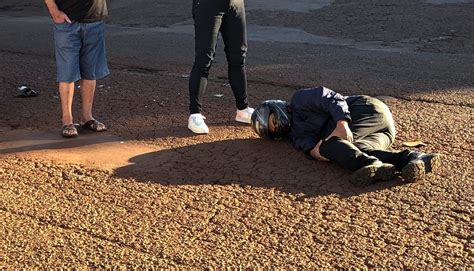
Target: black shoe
372, 173
420, 165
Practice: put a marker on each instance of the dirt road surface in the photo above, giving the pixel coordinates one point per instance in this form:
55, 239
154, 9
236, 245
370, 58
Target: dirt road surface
149, 193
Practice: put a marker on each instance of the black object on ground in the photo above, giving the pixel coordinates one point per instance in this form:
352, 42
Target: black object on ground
26, 92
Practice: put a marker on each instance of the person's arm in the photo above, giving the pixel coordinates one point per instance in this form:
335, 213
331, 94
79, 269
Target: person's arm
58, 16
342, 130
302, 135
322, 100
325, 101
316, 154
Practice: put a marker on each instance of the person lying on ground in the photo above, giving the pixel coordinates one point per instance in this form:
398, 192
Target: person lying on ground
353, 131
80, 55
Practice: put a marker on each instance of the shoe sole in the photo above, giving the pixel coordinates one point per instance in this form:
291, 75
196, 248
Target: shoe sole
247, 121
198, 132
416, 171
371, 174
434, 164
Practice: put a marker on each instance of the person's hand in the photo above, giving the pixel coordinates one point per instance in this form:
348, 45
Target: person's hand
343, 131
60, 17
316, 154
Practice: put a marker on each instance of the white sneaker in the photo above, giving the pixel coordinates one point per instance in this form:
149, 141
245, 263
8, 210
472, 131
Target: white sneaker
244, 115
197, 125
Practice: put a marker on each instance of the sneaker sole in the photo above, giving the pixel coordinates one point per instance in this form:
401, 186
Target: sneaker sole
416, 171
371, 174
434, 164
198, 132
247, 121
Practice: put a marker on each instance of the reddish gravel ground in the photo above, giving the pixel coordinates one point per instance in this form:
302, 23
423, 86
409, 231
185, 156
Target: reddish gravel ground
149, 193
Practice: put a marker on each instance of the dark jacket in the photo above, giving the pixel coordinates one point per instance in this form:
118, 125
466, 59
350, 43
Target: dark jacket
315, 112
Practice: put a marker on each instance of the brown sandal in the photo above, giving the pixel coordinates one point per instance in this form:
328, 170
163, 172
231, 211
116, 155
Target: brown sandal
94, 125
69, 131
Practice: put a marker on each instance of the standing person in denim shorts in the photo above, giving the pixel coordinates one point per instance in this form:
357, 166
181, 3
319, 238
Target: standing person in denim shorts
80, 55
210, 18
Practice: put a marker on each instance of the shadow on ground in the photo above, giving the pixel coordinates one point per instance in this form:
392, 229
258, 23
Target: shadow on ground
17, 141
246, 162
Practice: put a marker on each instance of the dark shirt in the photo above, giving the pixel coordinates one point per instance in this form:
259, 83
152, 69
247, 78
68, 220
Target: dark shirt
315, 112
85, 11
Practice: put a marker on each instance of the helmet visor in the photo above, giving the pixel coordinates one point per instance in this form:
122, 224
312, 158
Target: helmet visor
260, 121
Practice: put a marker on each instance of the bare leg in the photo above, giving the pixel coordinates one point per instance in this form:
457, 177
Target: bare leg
87, 94
66, 94
87, 119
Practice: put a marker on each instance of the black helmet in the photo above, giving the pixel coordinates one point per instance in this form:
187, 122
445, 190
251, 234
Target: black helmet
282, 116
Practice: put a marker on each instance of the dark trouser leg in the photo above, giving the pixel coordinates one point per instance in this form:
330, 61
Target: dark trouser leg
397, 158
345, 154
367, 169
372, 124
374, 131
234, 35
207, 16
375, 145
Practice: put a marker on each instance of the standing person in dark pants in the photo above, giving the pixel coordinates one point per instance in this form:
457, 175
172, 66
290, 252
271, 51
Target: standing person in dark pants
212, 17
80, 55
354, 131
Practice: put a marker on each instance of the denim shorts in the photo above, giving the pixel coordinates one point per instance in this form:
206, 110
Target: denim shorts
80, 51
